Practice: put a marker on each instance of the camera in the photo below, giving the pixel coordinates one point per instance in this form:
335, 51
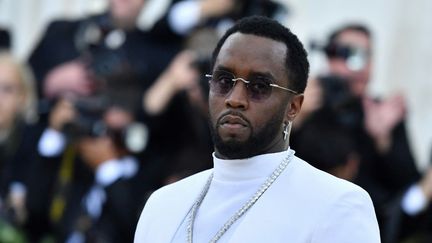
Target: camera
89, 118
119, 92
100, 48
340, 102
356, 58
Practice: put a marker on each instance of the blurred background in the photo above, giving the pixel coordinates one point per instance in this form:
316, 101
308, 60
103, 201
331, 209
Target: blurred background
106, 99
402, 34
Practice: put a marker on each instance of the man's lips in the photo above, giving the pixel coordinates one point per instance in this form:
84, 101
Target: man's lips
233, 121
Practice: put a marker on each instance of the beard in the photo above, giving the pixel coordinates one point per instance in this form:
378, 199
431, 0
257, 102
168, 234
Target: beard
257, 143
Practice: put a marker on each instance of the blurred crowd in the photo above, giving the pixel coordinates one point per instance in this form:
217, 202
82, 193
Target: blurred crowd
104, 112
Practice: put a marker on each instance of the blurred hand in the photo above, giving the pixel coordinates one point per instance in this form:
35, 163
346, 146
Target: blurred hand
70, 78
96, 151
216, 8
382, 117
312, 102
426, 184
181, 73
62, 113
313, 97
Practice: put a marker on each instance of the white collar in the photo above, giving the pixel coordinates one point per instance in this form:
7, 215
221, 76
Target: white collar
256, 167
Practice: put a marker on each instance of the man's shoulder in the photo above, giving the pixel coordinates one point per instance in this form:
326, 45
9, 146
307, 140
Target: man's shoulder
325, 185
178, 193
328, 200
167, 207
195, 181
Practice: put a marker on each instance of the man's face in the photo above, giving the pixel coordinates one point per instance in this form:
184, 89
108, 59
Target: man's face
125, 12
243, 127
358, 78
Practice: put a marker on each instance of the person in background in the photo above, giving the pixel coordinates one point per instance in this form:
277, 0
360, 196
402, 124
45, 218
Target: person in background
110, 50
108, 45
180, 83
85, 73
387, 168
88, 173
17, 117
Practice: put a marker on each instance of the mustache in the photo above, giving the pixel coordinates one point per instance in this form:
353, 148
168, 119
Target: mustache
232, 113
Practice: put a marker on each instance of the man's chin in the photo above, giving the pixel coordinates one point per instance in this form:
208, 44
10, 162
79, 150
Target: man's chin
233, 149
230, 145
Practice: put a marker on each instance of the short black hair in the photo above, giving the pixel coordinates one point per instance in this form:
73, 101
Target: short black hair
296, 62
348, 27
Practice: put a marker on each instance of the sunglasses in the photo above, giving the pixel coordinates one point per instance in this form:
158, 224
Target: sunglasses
258, 88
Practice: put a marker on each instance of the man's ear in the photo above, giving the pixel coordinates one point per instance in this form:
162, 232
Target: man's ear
294, 107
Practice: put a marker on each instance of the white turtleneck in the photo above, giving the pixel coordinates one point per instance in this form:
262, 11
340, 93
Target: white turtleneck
233, 184
303, 205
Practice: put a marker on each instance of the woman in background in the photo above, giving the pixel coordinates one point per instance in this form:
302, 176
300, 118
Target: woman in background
17, 111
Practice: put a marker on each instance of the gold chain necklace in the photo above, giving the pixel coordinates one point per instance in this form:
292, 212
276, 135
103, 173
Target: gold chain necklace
269, 181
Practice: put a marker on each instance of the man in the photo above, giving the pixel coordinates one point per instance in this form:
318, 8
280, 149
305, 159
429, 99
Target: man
349, 55
89, 176
258, 191
388, 171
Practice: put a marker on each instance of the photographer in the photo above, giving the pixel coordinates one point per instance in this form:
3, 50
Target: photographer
89, 175
387, 169
109, 44
387, 166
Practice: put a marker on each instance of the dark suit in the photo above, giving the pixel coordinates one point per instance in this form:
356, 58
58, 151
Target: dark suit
116, 222
56, 203
143, 54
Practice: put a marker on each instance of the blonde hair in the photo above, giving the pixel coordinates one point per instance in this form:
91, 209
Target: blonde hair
29, 110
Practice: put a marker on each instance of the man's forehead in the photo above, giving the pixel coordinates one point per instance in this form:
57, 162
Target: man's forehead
353, 37
245, 40
249, 47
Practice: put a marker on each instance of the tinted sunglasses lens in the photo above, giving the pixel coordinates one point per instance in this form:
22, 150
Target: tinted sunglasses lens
259, 89
221, 82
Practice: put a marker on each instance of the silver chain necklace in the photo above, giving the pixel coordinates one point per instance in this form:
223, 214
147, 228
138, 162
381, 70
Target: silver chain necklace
269, 181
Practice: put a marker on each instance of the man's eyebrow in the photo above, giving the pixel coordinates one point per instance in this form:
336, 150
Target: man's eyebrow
263, 74
223, 68
253, 73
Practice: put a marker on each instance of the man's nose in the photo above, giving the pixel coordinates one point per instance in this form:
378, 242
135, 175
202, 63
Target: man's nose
238, 96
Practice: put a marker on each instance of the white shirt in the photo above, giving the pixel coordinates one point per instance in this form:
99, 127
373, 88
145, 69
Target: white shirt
303, 205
